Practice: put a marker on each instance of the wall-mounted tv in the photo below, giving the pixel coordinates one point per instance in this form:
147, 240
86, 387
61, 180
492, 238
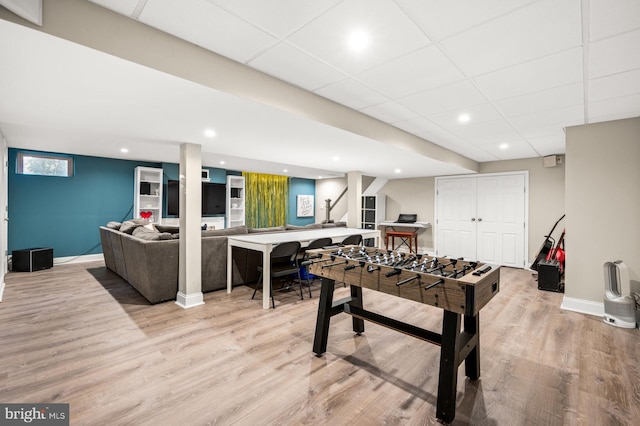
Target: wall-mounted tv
214, 198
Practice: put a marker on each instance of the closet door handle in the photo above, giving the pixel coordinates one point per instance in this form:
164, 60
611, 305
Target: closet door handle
479, 219
473, 219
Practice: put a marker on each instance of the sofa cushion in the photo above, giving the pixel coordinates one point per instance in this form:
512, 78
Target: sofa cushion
147, 234
226, 231
263, 230
128, 226
172, 229
114, 225
309, 226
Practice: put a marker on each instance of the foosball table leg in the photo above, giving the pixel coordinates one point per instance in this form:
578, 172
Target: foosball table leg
324, 316
448, 380
356, 300
472, 362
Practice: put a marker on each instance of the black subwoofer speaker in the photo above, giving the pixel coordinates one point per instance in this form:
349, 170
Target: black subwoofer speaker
32, 259
549, 276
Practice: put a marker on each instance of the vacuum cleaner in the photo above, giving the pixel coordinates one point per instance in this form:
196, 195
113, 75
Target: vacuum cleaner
619, 305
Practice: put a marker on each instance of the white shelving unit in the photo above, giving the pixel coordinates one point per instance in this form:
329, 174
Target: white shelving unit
373, 212
235, 201
147, 193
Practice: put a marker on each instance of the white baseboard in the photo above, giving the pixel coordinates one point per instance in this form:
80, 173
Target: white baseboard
1, 289
77, 259
186, 301
583, 306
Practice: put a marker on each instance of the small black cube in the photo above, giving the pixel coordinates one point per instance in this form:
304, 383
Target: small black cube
32, 259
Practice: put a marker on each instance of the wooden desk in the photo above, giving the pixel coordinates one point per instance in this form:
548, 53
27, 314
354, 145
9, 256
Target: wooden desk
264, 243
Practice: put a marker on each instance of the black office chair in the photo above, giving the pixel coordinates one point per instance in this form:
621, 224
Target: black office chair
352, 240
284, 263
315, 244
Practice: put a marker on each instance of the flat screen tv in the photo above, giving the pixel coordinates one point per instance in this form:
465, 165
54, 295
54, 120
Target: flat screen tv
214, 198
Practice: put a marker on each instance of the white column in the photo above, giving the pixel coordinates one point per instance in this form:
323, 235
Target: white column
190, 263
354, 199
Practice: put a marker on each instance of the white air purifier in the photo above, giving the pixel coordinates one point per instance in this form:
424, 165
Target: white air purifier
619, 306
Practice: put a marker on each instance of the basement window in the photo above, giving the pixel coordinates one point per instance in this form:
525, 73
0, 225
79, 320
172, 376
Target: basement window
44, 165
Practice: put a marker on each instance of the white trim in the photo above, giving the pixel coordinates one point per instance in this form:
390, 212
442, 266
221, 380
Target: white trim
2, 285
186, 301
582, 306
77, 259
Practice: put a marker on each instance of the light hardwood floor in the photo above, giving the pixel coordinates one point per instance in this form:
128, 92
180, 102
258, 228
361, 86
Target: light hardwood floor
79, 334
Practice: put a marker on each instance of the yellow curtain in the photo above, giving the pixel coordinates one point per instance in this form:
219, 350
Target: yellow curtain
266, 199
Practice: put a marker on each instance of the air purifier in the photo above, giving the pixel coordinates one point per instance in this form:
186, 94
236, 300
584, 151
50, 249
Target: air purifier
619, 306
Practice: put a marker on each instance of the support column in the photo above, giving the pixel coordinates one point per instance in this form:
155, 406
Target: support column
354, 199
190, 262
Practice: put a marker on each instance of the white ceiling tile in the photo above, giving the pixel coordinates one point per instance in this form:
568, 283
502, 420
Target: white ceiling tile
618, 108
542, 133
124, 7
477, 114
560, 118
549, 145
352, 94
441, 18
277, 17
540, 29
391, 33
544, 100
417, 125
514, 151
478, 154
615, 86
290, 64
206, 25
614, 54
417, 71
612, 17
490, 132
446, 98
551, 71
389, 112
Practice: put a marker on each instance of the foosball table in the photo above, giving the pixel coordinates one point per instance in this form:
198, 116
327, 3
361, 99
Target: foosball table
461, 288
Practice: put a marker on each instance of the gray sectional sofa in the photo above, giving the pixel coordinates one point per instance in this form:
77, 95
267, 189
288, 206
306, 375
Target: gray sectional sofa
148, 258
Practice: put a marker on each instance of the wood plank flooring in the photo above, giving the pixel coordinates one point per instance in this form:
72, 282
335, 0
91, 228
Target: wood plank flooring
78, 334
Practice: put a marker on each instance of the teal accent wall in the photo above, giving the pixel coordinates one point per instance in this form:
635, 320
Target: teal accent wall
65, 213
298, 186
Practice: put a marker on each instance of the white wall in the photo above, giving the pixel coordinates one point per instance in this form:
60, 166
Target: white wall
603, 204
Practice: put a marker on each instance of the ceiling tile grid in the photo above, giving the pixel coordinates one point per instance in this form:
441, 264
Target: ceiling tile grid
522, 70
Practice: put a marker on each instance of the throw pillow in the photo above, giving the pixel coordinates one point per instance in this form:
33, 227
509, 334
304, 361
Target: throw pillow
128, 226
114, 225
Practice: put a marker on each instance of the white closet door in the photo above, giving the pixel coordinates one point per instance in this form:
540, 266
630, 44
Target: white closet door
482, 218
500, 219
456, 230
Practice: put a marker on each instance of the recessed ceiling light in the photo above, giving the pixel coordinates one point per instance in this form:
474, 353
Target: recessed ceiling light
398, 170
221, 161
464, 118
210, 133
319, 177
336, 158
124, 150
358, 40
504, 146
285, 170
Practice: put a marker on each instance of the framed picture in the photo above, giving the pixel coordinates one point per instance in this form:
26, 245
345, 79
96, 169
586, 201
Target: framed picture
305, 206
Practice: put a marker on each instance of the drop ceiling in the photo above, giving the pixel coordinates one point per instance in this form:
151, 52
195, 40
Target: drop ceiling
521, 70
